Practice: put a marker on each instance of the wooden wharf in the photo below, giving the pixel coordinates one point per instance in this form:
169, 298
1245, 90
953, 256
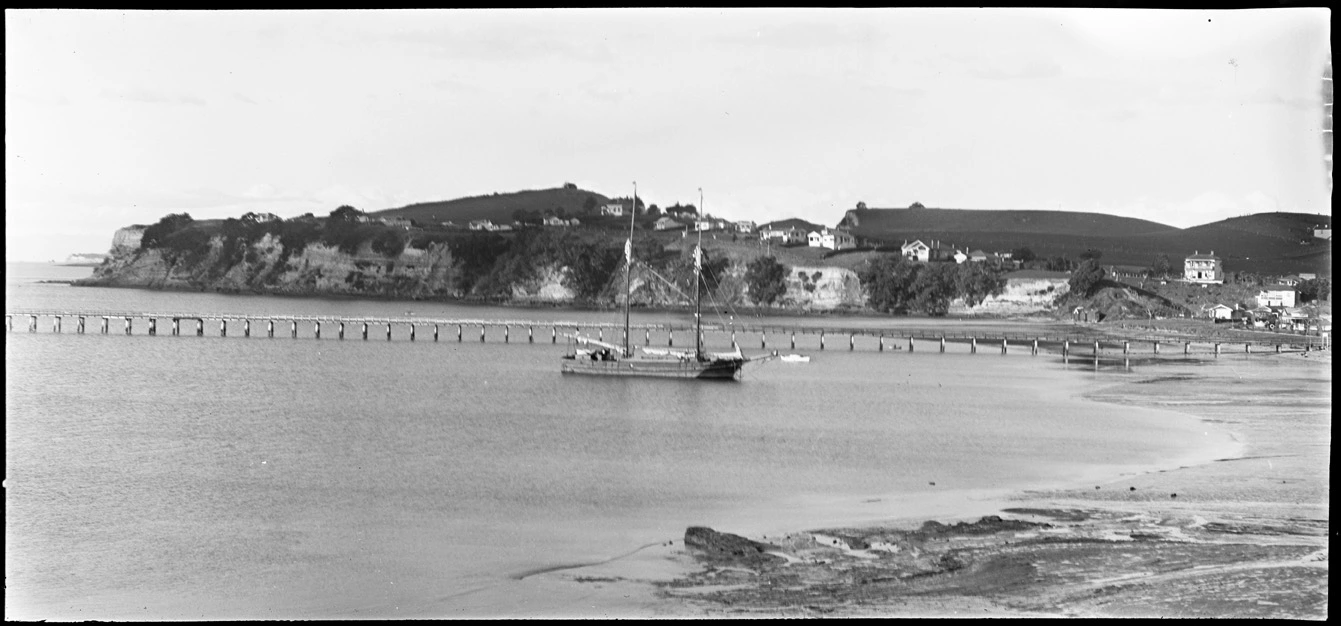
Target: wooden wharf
912, 339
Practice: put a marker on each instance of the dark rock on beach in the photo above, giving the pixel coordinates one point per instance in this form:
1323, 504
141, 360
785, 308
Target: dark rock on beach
728, 546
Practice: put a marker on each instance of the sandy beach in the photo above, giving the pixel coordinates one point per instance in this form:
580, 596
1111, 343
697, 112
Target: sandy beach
1244, 536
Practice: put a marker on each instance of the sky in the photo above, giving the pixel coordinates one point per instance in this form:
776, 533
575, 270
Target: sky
1182, 117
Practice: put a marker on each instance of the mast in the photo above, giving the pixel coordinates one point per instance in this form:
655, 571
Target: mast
698, 291
628, 269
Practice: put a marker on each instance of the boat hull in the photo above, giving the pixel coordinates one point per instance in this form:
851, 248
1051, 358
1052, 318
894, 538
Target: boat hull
708, 370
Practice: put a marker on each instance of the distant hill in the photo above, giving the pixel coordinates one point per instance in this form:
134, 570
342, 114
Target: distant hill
792, 223
1265, 243
891, 224
499, 207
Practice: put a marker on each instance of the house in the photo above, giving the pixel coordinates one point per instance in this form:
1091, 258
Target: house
1203, 268
977, 256
702, 224
832, 239
1307, 276
784, 236
1291, 281
1220, 312
396, 222
1323, 233
554, 220
745, 226
1276, 295
666, 223
481, 225
614, 208
935, 251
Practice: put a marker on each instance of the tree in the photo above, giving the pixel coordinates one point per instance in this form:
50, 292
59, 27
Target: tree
388, 243
1161, 266
1086, 278
1059, 264
1023, 255
345, 213
1315, 289
916, 205
766, 279
934, 288
154, 236
975, 281
1091, 253
861, 206
589, 205
888, 280
653, 211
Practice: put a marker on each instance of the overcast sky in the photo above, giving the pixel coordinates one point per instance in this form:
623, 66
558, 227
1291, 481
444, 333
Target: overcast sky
1181, 117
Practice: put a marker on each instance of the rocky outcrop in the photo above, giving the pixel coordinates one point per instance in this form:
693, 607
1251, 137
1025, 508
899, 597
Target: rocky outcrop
1021, 296
318, 269
726, 546
823, 289
432, 273
127, 239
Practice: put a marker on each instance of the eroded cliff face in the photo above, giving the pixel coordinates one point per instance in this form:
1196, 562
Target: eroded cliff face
823, 289
431, 274
1021, 296
264, 268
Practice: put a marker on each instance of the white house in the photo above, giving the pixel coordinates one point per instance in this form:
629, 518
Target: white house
1276, 295
1220, 312
977, 256
481, 225
783, 235
396, 222
745, 226
832, 239
666, 223
1203, 268
1323, 233
616, 209
554, 220
935, 251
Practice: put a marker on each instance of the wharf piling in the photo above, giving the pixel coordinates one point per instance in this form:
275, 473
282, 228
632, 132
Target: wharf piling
246, 328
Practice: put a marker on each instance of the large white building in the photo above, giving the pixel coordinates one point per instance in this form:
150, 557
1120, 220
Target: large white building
832, 239
1203, 268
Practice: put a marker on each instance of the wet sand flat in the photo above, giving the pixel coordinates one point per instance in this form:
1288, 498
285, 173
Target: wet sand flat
1241, 536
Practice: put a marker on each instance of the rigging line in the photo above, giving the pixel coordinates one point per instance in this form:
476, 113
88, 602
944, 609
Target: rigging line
670, 284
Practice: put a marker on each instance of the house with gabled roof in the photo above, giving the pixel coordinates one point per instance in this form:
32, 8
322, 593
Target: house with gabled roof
928, 252
1203, 268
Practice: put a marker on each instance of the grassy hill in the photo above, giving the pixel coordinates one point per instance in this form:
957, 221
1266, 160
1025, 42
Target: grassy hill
499, 207
793, 222
892, 224
1265, 243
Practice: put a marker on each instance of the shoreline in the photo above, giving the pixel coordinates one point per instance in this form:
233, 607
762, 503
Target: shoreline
1211, 538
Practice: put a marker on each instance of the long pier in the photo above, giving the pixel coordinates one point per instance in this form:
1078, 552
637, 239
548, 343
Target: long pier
910, 339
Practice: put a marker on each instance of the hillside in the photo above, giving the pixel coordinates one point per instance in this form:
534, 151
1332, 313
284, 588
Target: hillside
499, 207
898, 224
793, 222
1266, 243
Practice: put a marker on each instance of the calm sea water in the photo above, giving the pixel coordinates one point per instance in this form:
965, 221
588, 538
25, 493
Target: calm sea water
206, 477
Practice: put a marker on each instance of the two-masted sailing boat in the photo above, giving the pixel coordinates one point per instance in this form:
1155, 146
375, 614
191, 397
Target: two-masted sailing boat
607, 359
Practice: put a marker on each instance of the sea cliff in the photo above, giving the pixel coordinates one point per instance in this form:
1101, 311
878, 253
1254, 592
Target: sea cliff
433, 273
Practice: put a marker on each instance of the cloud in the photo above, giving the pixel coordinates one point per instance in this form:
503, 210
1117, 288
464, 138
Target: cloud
136, 94
1031, 70
804, 35
149, 96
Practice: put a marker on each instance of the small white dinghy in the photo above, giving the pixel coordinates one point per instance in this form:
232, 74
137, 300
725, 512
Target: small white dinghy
794, 358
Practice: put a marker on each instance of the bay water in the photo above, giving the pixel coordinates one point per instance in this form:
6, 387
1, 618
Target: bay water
162, 477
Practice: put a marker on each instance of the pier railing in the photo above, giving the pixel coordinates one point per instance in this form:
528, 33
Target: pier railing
1129, 341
